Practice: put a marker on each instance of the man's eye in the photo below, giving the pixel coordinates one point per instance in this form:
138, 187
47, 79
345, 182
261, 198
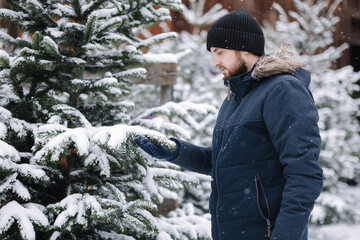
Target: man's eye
219, 53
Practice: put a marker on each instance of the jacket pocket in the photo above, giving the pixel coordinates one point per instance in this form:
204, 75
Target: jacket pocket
260, 194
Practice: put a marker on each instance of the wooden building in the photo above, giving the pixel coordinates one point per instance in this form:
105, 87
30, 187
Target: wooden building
347, 30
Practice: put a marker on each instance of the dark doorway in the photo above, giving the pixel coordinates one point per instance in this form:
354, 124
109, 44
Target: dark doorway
355, 56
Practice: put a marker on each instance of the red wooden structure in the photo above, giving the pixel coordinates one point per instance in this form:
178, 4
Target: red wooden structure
347, 30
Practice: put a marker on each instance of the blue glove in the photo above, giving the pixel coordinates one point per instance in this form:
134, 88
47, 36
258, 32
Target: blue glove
155, 151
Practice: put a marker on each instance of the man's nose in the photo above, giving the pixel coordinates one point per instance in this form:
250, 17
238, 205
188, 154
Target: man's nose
215, 62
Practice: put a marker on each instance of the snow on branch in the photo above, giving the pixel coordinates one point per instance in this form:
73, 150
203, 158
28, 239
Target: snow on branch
156, 39
66, 114
332, 8
212, 15
59, 145
163, 118
324, 59
182, 113
195, 14
148, 13
113, 22
163, 125
283, 16
3, 130
198, 108
63, 10
8, 152
6, 37
36, 4
39, 11
90, 25
99, 157
157, 178
25, 216
160, 58
25, 170
9, 157
115, 136
118, 196
73, 210
49, 46
132, 73
185, 224
76, 61
12, 15
116, 38
5, 114
15, 186
115, 236
86, 9
4, 59
106, 81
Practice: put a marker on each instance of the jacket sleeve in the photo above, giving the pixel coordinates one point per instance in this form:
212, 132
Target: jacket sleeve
192, 157
291, 118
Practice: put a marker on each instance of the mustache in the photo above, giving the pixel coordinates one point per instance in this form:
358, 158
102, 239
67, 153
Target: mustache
221, 67
238, 70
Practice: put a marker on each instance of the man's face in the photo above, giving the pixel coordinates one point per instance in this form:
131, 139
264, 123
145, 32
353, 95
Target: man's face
230, 62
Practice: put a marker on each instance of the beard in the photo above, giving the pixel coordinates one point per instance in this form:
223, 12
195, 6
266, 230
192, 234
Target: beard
239, 67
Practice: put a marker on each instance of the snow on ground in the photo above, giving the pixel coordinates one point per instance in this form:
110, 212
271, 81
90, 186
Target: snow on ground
335, 232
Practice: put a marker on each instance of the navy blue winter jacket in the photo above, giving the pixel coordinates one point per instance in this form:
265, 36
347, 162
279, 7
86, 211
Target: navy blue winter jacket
264, 155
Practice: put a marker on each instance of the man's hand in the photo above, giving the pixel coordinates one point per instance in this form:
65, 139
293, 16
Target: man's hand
156, 151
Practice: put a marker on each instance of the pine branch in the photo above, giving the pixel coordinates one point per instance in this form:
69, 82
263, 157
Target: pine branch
90, 25
117, 5
77, 7
156, 39
50, 47
43, 92
16, 85
12, 15
15, 5
25, 215
32, 91
115, 21
95, 5
12, 184
41, 14
4, 60
36, 41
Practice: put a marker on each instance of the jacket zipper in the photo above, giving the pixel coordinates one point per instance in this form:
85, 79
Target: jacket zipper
228, 91
216, 168
267, 219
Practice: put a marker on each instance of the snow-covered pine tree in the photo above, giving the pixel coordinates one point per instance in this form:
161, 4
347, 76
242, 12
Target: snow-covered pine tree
68, 166
311, 33
15, 195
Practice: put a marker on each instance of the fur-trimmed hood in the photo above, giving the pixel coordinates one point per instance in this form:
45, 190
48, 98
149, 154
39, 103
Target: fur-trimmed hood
284, 60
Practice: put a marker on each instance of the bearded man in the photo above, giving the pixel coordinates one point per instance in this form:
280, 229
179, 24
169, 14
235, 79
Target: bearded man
266, 143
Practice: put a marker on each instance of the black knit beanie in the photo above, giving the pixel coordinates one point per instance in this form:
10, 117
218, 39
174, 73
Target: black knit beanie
237, 30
